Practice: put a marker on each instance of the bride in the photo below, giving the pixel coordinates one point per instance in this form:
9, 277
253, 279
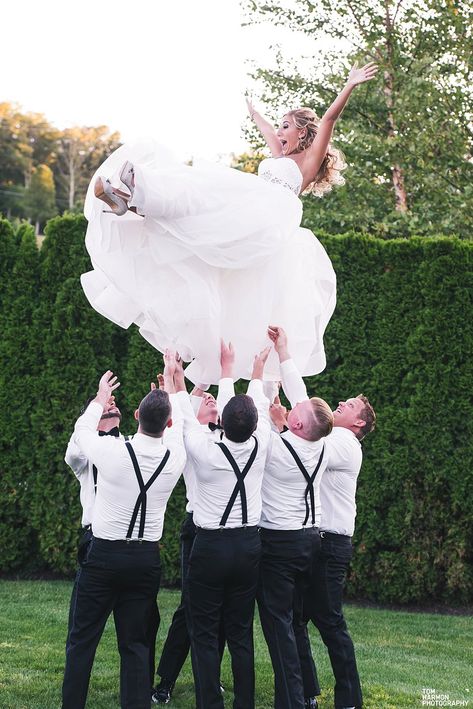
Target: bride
193, 254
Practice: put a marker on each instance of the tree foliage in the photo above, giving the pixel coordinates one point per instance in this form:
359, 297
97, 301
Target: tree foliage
29, 144
414, 124
39, 199
80, 151
19, 364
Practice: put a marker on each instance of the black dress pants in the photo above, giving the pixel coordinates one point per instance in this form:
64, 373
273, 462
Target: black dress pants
177, 644
323, 606
124, 578
222, 582
287, 559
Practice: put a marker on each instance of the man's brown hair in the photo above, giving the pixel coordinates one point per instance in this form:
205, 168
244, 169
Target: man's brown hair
369, 417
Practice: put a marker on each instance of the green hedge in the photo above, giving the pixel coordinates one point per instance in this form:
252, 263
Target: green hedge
402, 334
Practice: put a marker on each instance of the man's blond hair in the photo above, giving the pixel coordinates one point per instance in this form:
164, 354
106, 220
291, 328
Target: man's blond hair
322, 422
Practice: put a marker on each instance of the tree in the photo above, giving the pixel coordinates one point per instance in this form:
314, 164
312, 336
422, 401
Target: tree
76, 348
408, 140
20, 361
40, 196
26, 140
80, 151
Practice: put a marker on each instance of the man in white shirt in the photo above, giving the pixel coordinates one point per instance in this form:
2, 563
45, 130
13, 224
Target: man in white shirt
86, 472
289, 530
177, 644
353, 420
224, 561
121, 571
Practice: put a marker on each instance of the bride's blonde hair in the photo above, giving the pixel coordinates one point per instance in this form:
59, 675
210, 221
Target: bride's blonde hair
329, 173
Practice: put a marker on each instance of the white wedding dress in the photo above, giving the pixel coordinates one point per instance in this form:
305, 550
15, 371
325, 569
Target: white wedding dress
219, 254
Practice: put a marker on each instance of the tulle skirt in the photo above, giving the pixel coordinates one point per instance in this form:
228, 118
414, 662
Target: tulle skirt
218, 254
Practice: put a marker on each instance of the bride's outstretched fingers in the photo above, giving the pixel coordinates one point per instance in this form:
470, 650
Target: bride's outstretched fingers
365, 73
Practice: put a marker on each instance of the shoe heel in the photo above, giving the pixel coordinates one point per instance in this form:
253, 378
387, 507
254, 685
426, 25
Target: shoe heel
104, 191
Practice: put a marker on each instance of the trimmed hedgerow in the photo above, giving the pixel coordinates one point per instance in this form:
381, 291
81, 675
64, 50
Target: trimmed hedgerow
402, 334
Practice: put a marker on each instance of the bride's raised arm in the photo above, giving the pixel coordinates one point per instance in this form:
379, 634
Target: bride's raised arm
267, 130
318, 149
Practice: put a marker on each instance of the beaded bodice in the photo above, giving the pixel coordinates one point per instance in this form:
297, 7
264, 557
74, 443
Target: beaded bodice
281, 171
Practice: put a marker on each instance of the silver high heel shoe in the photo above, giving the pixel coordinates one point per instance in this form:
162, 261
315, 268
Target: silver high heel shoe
116, 199
127, 176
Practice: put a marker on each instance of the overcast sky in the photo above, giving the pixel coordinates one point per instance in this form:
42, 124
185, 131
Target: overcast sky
173, 70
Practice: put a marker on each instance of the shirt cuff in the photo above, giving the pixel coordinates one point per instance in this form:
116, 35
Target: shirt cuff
196, 401
288, 367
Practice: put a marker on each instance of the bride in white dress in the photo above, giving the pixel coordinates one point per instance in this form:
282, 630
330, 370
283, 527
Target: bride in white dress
219, 253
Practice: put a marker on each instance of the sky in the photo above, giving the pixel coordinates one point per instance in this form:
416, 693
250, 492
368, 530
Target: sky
172, 70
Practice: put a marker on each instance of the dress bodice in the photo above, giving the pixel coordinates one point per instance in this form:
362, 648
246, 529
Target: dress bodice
281, 171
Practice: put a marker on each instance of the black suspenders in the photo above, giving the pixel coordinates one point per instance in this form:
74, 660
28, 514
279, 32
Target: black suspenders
141, 501
240, 484
309, 479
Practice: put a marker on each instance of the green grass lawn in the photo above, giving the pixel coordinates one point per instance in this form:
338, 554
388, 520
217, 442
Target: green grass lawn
398, 654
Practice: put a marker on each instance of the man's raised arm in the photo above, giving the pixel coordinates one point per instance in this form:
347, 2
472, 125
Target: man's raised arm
292, 382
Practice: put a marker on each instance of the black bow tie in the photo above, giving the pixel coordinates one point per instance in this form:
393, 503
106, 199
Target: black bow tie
113, 432
215, 426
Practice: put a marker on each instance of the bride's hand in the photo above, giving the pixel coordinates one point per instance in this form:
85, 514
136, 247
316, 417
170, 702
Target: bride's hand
250, 107
359, 76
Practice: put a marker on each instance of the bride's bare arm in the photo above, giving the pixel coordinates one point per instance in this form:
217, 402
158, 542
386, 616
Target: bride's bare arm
267, 130
318, 149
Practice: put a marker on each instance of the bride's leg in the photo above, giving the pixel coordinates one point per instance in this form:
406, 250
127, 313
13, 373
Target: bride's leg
166, 194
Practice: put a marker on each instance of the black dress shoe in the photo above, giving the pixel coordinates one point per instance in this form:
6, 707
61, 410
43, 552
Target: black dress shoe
311, 703
163, 692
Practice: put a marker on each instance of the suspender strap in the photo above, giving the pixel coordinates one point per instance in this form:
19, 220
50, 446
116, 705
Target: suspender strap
141, 501
309, 479
240, 484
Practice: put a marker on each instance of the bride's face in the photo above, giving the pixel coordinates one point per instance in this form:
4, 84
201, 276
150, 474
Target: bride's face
288, 134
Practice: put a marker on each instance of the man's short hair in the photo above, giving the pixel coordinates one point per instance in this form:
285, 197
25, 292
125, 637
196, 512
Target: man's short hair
239, 418
369, 417
154, 412
322, 423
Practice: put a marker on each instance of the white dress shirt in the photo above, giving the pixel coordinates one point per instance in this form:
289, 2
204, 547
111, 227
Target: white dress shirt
83, 470
284, 485
344, 458
225, 392
338, 485
117, 487
215, 478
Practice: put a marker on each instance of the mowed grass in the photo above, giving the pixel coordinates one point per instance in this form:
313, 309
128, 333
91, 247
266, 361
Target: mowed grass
398, 654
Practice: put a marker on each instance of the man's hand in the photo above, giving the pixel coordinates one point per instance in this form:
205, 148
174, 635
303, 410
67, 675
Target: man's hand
107, 384
227, 359
169, 369
160, 379
179, 379
279, 338
259, 362
278, 414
